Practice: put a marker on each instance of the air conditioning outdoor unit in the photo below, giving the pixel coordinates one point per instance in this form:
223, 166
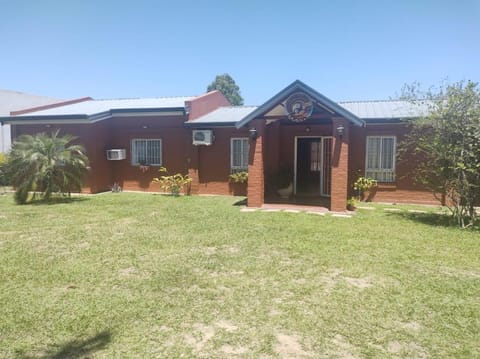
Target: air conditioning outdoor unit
202, 137
116, 155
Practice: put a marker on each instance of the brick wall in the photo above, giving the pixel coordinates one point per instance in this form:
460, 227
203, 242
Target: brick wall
206, 103
403, 190
340, 162
256, 166
93, 137
214, 162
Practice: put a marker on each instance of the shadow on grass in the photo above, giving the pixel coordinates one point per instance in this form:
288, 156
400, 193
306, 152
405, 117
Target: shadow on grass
242, 202
77, 348
56, 200
432, 219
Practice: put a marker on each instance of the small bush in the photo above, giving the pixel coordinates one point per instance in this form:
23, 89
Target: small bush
239, 177
172, 183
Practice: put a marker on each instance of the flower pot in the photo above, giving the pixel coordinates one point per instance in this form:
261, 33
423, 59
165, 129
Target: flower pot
238, 189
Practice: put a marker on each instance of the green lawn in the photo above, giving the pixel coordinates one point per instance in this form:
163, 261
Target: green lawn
131, 275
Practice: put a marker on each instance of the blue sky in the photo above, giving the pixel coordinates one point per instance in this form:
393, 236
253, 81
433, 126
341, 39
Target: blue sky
347, 50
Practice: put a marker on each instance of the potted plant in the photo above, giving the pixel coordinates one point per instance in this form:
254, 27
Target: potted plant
238, 183
352, 204
365, 188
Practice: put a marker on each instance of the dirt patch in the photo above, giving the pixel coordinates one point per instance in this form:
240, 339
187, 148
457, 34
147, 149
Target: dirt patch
274, 312
209, 251
226, 274
300, 281
343, 349
126, 272
288, 346
410, 326
83, 245
453, 272
231, 249
361, 283
411, 350
226, 325
228, 349
330, 280
199, 338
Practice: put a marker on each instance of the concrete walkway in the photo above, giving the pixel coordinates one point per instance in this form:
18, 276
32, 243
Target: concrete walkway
293, 208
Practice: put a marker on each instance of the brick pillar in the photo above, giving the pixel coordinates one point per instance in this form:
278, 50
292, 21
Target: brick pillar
193, 170
339, 191
255, 192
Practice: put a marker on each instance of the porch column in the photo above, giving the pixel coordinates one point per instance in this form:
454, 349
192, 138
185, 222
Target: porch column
255, 192
192, 163
339, 189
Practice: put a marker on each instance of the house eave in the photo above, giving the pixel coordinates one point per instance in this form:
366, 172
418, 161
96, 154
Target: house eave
97, 117
300, 86
209, 124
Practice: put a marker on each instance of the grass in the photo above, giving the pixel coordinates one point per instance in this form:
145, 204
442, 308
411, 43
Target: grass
130, 275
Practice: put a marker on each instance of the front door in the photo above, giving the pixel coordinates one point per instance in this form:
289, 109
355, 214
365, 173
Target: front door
313, 166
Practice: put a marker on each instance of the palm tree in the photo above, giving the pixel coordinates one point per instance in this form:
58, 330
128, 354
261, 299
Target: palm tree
47, 164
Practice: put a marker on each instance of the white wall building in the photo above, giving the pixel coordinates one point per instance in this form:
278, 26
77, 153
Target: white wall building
15, 101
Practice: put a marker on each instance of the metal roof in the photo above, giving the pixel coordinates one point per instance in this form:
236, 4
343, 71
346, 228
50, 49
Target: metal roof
387, 109
14, 101
228, 115
93, 107
381, 109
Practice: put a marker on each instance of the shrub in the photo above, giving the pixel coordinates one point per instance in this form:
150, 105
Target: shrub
239, 177
172, 183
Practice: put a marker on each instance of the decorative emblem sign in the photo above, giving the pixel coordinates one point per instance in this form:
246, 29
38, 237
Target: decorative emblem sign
299, 107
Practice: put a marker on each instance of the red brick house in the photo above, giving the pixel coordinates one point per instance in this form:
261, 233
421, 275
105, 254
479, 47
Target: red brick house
324, 145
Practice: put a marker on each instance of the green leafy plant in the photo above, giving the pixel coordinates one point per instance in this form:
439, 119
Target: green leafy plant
443, 149
172, 183
363, 185
4, 181
352, 204
239, 177
46, 164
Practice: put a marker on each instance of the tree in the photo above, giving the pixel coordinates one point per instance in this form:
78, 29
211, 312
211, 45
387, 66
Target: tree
47, 164
445, 146
227, 86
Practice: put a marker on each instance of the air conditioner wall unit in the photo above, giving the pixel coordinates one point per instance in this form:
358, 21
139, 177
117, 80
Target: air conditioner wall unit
202, 137
116, 154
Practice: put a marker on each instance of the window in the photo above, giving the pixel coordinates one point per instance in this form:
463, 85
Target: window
146, 152
238, 154
380, 158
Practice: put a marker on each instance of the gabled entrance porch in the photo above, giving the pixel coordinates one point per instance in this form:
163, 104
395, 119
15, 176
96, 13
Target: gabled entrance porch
299, 142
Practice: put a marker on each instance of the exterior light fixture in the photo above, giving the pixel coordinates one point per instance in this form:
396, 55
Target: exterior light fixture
308, 129
253, 133
144, 127
340, 131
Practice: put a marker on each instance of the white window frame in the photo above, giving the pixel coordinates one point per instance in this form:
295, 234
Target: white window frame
380, 172
135, 161
233, 168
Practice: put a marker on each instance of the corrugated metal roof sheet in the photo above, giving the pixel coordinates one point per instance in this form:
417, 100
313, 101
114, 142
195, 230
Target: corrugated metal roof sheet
229, 114
387, 108
383, 109
92, 107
